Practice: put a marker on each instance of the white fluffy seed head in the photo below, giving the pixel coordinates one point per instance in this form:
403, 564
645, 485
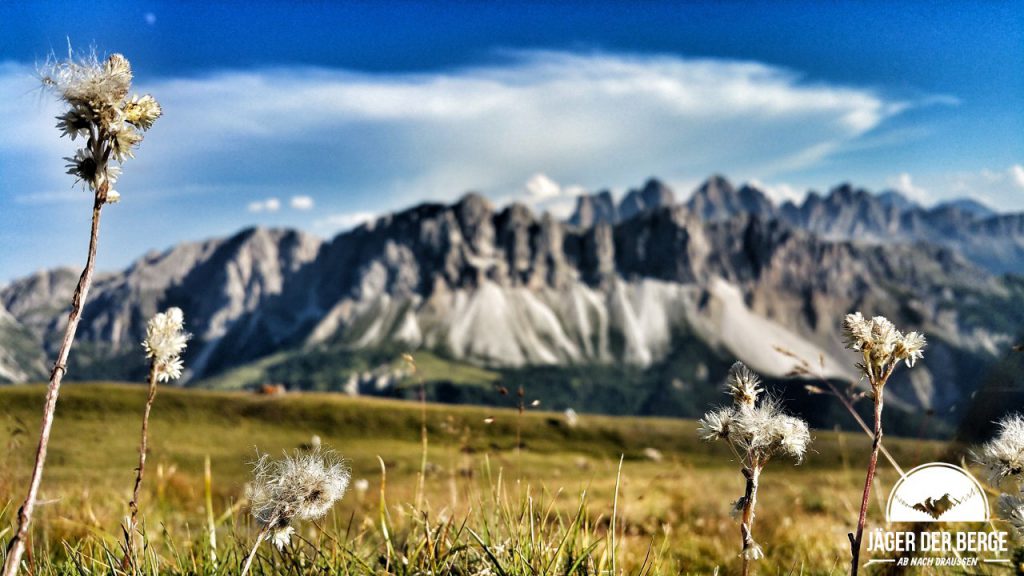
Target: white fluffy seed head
1011, 509
760, 431
99, 111
715, 424
1003, 456
303, 486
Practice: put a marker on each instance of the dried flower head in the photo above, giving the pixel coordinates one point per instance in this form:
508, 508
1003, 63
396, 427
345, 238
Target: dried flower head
752, 551
715, 424
764, 431
757, 430
99, 111
303, 486
281, 537
165, 341
743, 384
1003, 456
1011, 509
881, 344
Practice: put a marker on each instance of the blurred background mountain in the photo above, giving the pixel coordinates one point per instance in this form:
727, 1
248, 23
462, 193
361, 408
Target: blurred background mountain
636, 305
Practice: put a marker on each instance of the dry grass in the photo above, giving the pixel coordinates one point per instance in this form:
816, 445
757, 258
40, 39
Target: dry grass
487, 509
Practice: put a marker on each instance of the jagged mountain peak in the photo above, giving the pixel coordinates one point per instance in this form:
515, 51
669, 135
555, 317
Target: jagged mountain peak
717, 199
652, 195
592, 209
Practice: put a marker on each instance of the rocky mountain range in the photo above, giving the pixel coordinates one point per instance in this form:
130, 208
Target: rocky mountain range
636, 283
992, 240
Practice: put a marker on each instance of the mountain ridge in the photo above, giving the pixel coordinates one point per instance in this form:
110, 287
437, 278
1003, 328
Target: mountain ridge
510, 289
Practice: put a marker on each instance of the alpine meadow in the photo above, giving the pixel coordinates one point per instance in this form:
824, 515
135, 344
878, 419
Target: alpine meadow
519, 289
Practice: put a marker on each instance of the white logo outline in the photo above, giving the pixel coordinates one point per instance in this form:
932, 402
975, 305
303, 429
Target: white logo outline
915, 513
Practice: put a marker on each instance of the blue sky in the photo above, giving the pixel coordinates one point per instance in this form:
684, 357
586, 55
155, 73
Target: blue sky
318, 115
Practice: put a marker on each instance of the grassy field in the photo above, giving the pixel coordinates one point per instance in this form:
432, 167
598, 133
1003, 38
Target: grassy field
486, 507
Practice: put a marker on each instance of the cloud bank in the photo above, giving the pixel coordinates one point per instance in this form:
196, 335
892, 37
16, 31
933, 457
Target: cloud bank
596, 119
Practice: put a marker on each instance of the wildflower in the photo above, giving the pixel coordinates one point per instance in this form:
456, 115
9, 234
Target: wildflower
281, 537
882, 347
142, 112
752, 551
1004, 454
743, 385
123, 142
756, 431
715, 424
100, 111
1011, 509
97, 111
165, 341
300, 487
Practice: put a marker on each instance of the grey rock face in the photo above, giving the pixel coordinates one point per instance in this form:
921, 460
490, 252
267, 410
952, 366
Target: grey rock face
506, 287
653, 195
594, 209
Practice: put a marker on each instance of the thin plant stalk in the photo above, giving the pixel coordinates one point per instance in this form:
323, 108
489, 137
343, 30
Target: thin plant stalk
615, 514
16, 547
882, 348
856, 540
133, 504
752, 474
803, 369
211, 525
422, 480
255, 547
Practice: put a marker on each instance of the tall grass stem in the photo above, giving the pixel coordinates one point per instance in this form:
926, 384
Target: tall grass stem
16, 547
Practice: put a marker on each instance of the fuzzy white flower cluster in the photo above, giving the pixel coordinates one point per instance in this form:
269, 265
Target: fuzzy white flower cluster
1011, 509
101, 112
165, 341
300, 487
1003, 456
882, 345
757, 430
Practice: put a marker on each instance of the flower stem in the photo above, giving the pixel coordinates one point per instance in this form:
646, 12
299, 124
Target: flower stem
255, 547
16, 547
133, 504
855, 540
747, 520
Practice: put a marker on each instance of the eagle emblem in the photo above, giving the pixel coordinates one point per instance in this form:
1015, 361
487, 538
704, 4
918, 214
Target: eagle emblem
936, 507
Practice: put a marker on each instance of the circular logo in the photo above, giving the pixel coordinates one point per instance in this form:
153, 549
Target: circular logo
937, 492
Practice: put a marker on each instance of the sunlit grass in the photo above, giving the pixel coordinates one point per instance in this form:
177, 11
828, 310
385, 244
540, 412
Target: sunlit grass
488, 510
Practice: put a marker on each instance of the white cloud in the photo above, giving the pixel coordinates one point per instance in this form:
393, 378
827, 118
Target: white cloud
540, 187
780, 192
1017, 173
1002, 189
339, 222
543, 194
904, 184
268, 205
372, 142
302, 202
599, 119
